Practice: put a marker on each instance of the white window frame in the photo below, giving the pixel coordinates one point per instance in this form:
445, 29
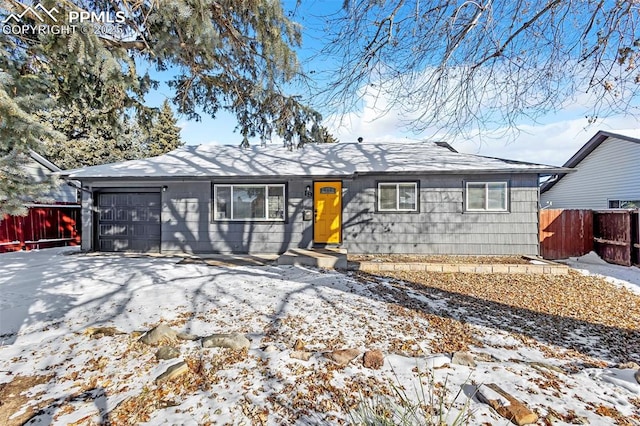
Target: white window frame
397, 185
251, 185
621, 203
486, 198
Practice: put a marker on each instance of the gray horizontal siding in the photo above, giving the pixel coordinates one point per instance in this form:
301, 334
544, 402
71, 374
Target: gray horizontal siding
187, 224
447, 228
367, 215
610, 172
442, 226
221, 247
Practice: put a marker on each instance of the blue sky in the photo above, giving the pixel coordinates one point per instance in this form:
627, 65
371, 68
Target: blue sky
551, 140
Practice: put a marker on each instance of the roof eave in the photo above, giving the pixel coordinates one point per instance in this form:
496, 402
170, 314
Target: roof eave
539, 171
44, 162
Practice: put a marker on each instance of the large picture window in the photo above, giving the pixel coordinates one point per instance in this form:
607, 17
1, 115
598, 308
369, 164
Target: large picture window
398, 197
248, 202
486, 196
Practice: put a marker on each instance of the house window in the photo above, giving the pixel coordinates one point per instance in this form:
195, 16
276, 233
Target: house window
624, 204
248, 202
398, 196
486, 196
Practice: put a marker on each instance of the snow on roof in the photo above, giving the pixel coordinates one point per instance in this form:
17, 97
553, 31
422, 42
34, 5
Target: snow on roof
339, 159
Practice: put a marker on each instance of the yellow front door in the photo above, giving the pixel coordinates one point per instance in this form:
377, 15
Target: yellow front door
327, 205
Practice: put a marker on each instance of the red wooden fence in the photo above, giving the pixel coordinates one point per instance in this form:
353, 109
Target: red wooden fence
44, 226
612, 236
565, 233
635, 237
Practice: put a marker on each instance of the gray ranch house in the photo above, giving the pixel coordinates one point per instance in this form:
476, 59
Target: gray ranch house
409, 197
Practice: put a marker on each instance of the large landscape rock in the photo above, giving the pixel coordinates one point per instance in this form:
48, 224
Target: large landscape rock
301, 355
484, 357
159, 335
167, 352
632, 365
98, 332
373, 359
235, 341
463, 358
342, 356
172, 372
506, 405
187, 336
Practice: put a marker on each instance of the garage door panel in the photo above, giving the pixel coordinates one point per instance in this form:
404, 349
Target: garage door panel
140, 214
129, 221
106, 200
106, 214
106, 245
121, 245
113, 230
144, 246
122, 214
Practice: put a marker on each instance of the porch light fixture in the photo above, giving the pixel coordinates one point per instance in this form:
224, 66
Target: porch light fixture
307, 192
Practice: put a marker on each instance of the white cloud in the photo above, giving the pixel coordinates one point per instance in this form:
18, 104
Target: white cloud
552, 142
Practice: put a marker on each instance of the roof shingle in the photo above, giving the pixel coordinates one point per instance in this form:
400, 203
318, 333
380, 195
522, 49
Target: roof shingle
339, 159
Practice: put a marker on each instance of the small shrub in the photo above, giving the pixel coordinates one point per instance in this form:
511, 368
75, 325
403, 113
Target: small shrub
428, 407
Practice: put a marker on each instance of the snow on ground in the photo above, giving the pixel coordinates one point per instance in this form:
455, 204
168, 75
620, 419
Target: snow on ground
592, 264
49, 298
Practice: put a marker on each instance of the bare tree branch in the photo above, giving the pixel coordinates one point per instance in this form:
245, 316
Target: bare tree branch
465, 67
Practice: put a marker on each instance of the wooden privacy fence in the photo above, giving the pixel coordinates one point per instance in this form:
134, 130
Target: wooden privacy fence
565, 233
44, 226
613, 234
635, 237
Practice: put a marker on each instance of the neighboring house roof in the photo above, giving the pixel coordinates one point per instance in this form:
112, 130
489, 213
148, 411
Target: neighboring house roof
588, 148
44, 162
40, 169
329, 160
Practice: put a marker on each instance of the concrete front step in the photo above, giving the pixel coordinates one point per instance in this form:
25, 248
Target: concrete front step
320, 258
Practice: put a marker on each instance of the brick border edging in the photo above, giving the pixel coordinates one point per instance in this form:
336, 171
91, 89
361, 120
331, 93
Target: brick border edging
466, 268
